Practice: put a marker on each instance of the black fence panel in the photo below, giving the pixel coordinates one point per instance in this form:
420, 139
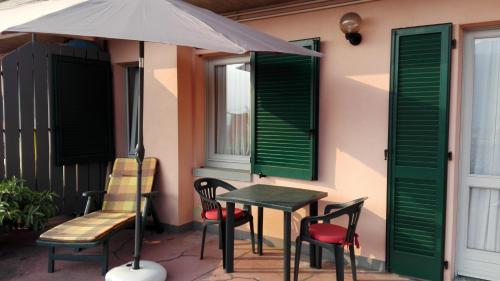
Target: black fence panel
27, 141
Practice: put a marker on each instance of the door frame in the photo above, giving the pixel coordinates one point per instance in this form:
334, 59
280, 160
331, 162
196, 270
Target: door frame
465, 141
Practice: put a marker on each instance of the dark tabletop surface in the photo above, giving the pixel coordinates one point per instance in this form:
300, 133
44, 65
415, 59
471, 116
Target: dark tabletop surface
271, 196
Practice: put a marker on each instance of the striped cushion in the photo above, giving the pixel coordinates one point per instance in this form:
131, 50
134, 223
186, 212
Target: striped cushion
120, 196
128, 167
88, 228
118, 206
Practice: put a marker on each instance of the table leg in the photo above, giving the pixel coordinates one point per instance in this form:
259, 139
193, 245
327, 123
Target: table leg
229, 251
260, 223
315, 252
287, 221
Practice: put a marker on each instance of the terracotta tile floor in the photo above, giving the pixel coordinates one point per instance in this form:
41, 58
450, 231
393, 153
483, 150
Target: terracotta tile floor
21, 259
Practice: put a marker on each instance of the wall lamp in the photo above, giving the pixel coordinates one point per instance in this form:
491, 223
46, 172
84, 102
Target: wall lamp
350, 24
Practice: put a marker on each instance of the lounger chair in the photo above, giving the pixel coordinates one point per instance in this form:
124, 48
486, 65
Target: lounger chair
96, 228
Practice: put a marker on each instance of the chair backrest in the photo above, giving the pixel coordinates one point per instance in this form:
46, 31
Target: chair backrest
122, 186
207, 188
353, 210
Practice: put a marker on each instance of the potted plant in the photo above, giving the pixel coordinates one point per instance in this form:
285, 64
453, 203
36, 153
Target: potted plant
24, 208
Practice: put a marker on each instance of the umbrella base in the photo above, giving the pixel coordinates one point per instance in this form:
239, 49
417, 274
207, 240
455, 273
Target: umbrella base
149, 271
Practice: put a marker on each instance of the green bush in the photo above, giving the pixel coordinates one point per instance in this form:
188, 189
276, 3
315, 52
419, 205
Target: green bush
21, 207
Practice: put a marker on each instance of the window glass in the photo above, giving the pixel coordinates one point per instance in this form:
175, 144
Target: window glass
485, 129
232, 109
229, 113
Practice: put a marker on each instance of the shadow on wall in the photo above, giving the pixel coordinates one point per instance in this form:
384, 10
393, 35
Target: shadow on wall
353, 132
354, 125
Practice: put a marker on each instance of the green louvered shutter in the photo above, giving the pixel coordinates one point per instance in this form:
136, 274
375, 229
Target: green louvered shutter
285, 117
419, 103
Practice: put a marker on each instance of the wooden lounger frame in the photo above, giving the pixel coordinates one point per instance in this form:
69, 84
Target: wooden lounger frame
103, 259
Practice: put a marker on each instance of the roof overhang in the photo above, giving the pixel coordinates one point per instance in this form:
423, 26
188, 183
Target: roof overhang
258, 9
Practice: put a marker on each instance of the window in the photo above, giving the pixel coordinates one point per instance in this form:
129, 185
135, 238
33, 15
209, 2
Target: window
229, 113
262, 115
132, 95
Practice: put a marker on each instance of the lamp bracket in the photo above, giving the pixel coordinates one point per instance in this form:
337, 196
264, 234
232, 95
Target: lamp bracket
354, 38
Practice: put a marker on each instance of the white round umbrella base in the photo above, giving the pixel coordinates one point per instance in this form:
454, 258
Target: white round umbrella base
149, 271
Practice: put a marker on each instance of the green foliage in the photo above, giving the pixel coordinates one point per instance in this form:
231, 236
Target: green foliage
21, 207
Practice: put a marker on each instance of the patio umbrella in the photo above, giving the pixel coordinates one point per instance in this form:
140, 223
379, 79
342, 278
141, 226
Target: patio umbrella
162, 21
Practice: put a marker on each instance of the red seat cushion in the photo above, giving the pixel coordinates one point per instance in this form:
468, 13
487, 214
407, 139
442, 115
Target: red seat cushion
330, 233
212, 214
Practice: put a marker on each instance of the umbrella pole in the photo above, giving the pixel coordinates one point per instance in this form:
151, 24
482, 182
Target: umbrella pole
139, 156
140, 270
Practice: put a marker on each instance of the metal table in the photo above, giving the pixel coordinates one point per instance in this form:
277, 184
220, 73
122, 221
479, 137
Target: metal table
282, 198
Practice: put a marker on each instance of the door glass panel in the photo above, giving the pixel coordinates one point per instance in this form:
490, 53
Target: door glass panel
483, 231
485, 129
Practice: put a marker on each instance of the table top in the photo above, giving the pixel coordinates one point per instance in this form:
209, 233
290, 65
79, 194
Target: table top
283, 198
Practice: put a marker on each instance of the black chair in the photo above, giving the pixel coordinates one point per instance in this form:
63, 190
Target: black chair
214, 213
332, 236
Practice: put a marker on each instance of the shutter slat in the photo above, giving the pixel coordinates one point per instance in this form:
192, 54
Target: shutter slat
285, 112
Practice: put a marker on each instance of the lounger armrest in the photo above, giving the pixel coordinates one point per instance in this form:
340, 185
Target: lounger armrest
93, 192
91, 202
151, 194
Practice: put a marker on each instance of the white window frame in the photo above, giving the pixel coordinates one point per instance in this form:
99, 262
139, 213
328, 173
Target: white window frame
217, 160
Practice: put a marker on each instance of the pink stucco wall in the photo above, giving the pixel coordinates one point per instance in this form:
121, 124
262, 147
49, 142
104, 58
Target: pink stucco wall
162, 113
354, 100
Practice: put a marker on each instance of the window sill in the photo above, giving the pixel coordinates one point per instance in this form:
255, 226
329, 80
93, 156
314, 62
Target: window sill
221, 173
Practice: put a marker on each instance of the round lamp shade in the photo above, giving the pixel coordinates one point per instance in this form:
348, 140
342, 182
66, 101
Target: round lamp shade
350, 23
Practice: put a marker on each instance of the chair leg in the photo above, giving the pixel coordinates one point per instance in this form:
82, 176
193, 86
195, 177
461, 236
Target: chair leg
52, 251
223, 239
252, 236
339, 262
298, 248
353, 262
156, 220
203, 241
260, 228
221, 231
105, 247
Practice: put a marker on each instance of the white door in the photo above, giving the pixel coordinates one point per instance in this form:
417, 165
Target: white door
478, 249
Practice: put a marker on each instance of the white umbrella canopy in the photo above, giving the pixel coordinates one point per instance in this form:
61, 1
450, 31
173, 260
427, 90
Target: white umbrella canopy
163, 21
22, 11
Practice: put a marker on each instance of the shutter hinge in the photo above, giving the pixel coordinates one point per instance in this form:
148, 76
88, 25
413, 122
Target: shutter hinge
261, 175
312, 132
445, 264
450, 155
453, 43
386, 154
